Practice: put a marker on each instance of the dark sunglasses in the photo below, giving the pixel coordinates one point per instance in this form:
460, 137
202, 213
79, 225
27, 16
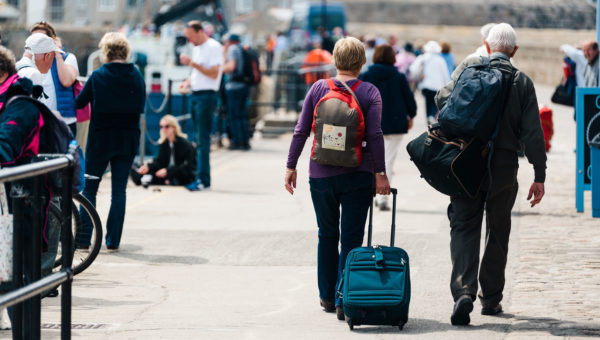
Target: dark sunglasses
165, 126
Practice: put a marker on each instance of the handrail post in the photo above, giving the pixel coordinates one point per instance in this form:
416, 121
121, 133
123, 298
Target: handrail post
18, 234
35, 254
67, 246
169, 92
143, 129
183, 110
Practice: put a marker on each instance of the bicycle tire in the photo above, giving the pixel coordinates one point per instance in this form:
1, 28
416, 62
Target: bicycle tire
82, 259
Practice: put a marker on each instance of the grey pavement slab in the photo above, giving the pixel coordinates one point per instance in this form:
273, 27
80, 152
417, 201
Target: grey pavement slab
239, 261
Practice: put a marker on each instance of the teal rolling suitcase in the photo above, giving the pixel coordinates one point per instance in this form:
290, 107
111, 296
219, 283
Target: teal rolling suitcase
375, 289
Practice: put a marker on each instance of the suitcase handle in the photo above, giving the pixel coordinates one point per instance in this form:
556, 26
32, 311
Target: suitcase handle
370, 232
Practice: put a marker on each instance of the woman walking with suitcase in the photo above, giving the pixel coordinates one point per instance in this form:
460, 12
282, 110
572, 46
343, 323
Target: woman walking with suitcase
346, 184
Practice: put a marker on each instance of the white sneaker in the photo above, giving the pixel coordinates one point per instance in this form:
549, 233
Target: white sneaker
4, 320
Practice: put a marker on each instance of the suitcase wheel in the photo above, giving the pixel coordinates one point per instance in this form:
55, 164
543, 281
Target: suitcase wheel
350, 324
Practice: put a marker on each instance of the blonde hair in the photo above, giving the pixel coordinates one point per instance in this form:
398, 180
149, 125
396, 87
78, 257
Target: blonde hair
172, 121
114, 46
349, 55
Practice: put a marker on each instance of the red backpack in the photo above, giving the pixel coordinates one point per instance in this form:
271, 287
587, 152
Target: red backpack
339, 127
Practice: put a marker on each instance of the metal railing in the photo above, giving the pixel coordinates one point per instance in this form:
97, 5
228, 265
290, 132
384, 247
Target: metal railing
25, 299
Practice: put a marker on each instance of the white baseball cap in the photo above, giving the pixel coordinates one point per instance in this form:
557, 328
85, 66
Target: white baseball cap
39, 43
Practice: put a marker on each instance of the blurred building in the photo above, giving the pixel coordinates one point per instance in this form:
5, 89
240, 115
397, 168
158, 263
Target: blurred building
90, 13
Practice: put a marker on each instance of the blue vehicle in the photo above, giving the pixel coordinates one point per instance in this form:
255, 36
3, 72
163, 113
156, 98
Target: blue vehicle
335, 16
304, 28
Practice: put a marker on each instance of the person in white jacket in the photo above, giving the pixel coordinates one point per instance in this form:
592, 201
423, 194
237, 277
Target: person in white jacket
576, 54
431, 71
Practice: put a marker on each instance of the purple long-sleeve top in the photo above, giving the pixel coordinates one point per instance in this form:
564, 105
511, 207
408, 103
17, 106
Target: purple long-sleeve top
373, 155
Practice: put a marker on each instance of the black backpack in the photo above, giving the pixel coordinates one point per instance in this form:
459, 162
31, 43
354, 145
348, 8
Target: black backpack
475, 104
251, 74
56, 138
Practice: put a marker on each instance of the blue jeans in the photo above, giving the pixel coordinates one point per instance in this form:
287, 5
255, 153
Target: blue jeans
354, 192
95, 165
238, 115
204, 104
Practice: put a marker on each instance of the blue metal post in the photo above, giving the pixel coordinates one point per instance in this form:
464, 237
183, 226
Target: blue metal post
595, 163
595, 152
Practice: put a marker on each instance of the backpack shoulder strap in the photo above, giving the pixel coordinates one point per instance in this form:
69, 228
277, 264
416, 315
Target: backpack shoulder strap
355, 86
27, 98
352, 92
331, 84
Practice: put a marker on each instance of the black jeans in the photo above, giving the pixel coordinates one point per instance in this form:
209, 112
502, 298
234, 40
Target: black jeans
353, 192
466, 216
431, 108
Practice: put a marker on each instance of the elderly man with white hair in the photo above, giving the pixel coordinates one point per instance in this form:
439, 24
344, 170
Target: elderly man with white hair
519, 126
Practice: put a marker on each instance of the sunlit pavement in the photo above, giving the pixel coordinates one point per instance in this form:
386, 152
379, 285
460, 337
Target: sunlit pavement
239, 261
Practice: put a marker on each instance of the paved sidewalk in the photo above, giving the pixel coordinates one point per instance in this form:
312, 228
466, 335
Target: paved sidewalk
239, 261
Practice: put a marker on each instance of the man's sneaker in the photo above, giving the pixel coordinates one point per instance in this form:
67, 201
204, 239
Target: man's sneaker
491, 310
196, 185
339, 311
462, 308
329, 306
4, 320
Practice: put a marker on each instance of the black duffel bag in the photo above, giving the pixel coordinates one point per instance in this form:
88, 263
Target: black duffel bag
455, 167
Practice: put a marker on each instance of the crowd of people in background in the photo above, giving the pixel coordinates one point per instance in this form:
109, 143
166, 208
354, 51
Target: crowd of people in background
116, 93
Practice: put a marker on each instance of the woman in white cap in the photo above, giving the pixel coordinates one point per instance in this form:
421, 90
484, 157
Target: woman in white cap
431, 71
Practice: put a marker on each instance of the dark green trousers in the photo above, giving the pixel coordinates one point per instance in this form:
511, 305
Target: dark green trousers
466, 216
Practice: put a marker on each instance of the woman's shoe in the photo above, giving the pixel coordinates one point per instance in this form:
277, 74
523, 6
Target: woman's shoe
329, 306
339, 311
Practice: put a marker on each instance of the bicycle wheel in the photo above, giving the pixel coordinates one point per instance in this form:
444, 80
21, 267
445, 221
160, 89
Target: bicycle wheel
83, 255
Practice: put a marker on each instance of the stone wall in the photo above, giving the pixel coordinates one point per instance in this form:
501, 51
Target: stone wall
539, 52
568, 14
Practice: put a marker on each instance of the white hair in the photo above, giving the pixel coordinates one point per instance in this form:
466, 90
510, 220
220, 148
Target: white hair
502, 38
432, 47
485, 29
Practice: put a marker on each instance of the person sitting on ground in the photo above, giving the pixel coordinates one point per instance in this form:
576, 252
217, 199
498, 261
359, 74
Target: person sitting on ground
176, 160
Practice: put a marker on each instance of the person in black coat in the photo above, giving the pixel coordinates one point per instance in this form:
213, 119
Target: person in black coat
117, 93
176, 160
398, 105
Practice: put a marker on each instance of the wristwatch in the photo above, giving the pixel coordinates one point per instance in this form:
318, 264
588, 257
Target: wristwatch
382, 173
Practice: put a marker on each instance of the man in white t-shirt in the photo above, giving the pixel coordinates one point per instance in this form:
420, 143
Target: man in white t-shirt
41, 50
26, 68
58, 82
206, 63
